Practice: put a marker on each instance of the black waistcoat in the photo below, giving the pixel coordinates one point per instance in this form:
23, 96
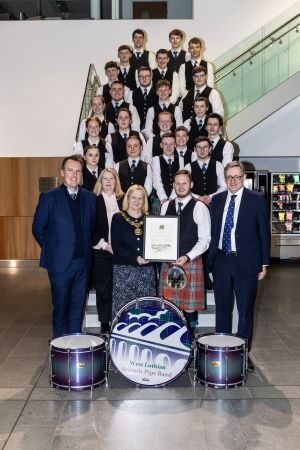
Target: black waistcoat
204, 184
188, 103
102, 151
175, 63
143, 60
195, 132
167, 173
157, 76
127, 178
142, 105
217, 152
157, 110
188, 234
129, 80
189, 82
111, 112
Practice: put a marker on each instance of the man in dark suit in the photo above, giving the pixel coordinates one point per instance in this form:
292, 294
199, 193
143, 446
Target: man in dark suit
63, 224
239, 251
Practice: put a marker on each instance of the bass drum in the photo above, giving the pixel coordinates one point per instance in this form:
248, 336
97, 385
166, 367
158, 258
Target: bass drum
77, 362
221, 360
150, 344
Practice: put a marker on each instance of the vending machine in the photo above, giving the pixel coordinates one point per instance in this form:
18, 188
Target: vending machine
285, 215
258, 180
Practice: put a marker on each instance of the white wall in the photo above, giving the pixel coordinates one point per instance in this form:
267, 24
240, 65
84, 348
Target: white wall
44, 66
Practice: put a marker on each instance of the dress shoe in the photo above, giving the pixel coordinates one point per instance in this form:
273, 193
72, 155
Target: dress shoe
251, 366
105, 328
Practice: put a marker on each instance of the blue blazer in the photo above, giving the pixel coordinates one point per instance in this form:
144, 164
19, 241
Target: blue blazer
53, 228
252, 234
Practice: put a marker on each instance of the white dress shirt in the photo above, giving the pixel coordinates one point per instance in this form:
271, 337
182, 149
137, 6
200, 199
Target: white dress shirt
201, 217
78, 149
182, 80
108, 140
112, 207
237, 203
150, 117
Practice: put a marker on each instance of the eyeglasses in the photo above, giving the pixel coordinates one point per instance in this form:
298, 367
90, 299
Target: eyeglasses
235, 178
71, 171
144, 76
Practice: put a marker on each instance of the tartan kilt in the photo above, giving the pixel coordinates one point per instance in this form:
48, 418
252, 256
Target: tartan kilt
192, 297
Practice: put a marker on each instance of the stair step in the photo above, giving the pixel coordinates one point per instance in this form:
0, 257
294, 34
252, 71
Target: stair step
210, 298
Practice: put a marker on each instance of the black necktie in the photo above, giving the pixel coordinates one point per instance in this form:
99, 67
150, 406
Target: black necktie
170, 163
204, 168
145, 93
179, 209
125, 73
94, 173
198, 93
175, 54
181, 153
162, 74
138, 54
133, 166
164, 108
116, 105
73, 196
228, 225
200, 124
125, 137
196, 64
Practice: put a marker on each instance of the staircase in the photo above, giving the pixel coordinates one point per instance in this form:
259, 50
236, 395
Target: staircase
206, 319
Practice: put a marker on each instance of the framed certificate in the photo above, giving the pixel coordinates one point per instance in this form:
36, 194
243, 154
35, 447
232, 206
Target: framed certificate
161, 238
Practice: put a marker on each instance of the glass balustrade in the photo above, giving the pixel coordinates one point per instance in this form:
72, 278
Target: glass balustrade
260, 68
91, 86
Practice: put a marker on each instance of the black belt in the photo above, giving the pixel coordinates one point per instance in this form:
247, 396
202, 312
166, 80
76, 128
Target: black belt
229, 254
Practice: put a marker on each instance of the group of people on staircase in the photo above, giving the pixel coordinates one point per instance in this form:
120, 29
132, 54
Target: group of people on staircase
153, 144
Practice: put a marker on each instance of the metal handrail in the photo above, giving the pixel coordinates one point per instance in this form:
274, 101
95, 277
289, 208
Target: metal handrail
252, 52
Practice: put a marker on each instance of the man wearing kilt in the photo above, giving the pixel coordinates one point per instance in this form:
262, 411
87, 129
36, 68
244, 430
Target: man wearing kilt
194, 239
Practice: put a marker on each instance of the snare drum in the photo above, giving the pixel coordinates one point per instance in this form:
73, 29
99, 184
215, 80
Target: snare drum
150, 344
221, 360
77, 362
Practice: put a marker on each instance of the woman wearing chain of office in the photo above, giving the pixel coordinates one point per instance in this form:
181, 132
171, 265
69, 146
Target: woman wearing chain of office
133, 277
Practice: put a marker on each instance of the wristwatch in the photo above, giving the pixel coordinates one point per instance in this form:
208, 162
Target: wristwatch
188, 258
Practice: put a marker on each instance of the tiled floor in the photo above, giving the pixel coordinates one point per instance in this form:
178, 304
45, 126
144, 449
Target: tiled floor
264, 414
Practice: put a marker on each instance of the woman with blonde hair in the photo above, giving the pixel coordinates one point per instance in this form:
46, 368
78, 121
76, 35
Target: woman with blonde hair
133, 277
109, 201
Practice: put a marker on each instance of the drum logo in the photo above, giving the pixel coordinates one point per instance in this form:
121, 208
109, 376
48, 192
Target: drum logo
216, 363
150, 345
81, 365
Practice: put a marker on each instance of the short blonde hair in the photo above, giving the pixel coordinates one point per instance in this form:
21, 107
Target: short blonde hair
136, 187
98, 186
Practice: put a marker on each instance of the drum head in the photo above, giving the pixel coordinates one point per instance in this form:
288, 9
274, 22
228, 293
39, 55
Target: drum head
77, 341
221, 340
150, 344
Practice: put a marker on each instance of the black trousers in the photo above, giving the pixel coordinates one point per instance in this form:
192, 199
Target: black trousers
102, 281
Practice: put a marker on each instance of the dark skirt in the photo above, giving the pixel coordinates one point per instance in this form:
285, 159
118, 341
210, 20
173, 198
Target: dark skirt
132, 282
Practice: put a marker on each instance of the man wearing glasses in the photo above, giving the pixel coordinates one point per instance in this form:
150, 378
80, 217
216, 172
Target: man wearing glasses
239, 251
62, 226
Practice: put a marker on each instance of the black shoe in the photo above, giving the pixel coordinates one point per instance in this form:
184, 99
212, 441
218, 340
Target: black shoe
251, 366
105, 328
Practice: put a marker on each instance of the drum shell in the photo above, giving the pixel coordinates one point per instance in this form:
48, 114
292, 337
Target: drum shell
77, 369
141, 358
221, 367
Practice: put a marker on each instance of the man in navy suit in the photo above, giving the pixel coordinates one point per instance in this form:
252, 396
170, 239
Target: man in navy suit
63, 225
239, 263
